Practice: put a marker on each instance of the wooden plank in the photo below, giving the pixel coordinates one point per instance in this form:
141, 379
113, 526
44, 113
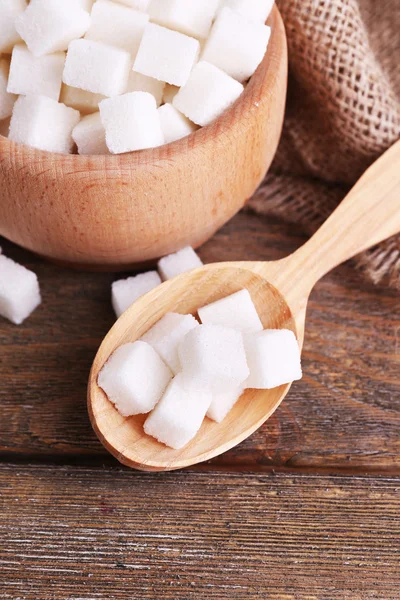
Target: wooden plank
344, 414
89, 533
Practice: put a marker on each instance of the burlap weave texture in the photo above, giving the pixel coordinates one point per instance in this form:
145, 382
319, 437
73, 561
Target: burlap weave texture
343, 112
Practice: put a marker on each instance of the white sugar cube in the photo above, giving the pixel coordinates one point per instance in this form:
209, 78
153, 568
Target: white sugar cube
141, 83
117, 25
258, 10
85, 102
131, 122
236, 311
85, 4
174, 124
192, 17
273, 357
170, 91
223, 403
174, 264
134, 378
9, 11
207, 94
236, 45
166, 336
142, 5
19, 291
47, 26
43, 123
126, 291
213, 357
35, 75
89, 135
97, 67
166, 55
7, 100
179, 415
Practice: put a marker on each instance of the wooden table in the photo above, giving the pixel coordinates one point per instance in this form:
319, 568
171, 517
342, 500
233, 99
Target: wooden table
307, 508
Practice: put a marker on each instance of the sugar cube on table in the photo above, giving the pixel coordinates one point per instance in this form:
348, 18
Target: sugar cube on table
35, 75
43, 123
9, 10
223, 403
97, 67
142, 5
236, 45
126, 291
117, 25
182, 261
7, 100
259, 10
85, 102
179, 415
141, 83
170, 91
192, 17
236, 311
166, 336
134, 378
19, 291
174, 124
131, 122
89, 135
273, 357
207, 94
213, 358
48, 26
166, 55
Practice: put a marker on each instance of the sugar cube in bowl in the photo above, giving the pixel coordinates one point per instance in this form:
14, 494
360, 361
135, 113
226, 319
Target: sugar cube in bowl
163, 198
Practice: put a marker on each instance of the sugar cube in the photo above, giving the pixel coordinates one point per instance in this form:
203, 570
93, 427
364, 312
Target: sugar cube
5, 127
97, 67
85, 4
131, 122
126, 291
259, 10
174, 264
9, 10
166, 55
19, 291
141, 83
207, 94
166, 336
89, 135
192, 17
43, 123
47, 26
134, 378
117, 25
7, 100
174, 124
178, 416
236, 45
170, 91
236, 311
223, 403
213, 358
273, 357
35, 75
142, 5
85, 102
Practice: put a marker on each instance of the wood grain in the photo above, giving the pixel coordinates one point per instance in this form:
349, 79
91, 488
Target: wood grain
344, 415
100, 211
71, 533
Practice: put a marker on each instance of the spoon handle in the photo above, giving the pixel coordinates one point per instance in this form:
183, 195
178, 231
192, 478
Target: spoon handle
369, 214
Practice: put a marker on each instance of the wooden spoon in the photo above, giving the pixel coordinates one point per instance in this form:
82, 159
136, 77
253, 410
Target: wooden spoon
280, 290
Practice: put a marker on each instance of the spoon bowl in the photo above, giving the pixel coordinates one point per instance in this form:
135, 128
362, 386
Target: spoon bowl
280, 290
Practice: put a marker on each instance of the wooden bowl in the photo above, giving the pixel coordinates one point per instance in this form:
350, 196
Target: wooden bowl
113, 212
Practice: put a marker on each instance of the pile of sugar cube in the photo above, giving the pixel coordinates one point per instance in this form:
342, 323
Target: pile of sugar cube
114, 76
182, 370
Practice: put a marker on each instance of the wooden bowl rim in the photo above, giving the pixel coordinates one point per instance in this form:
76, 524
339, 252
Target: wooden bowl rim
253, 95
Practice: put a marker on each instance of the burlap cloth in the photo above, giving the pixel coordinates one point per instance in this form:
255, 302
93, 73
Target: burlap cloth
343, 112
